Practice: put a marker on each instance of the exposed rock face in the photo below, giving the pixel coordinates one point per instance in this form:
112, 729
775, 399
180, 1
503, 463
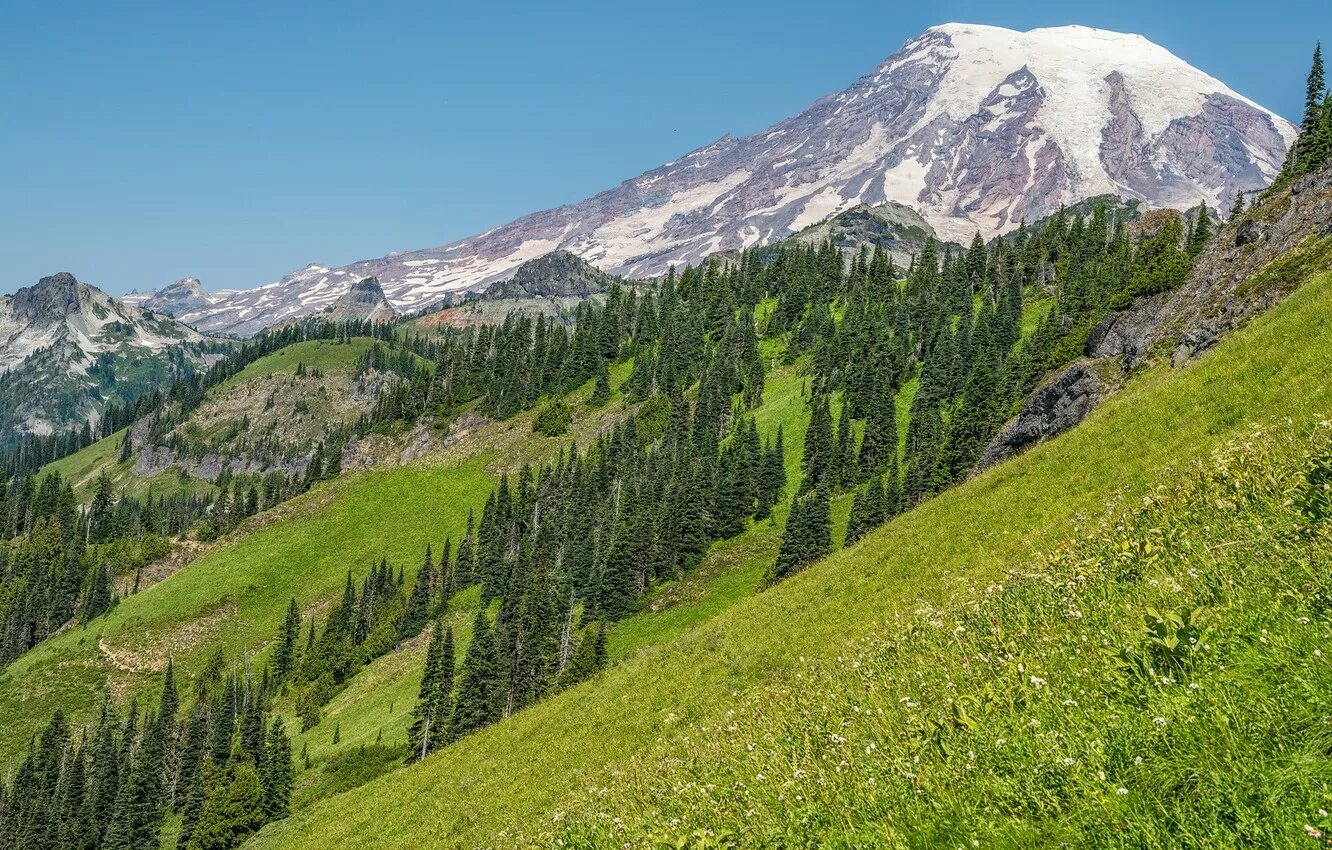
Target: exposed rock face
558, 274
898, 229
363, 301
1246, 268
1052, 408
48, 302
977, 127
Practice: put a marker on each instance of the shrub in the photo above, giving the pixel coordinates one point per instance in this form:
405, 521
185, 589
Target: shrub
554, 420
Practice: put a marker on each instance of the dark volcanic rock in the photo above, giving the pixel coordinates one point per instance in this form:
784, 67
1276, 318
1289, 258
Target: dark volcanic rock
1247, 233
558, 274
1127, 334
1052, 408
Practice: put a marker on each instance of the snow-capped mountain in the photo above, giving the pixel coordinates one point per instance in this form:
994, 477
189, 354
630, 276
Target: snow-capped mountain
977, 127
67, 349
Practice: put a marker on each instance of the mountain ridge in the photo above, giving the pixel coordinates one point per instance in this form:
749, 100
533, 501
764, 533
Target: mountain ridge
978, 127
67, 349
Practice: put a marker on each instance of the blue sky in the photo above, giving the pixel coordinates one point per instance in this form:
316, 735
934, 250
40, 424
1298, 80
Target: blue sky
143, 142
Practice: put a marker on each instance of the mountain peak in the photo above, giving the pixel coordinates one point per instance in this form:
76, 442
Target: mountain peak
363, 300
49, 299
976, 127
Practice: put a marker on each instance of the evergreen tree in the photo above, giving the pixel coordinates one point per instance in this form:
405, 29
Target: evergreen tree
434, 703
478, 701
807, 536
416, 613
1202, 230
275, 772
139, 802
232, 810
284, 656
602, 391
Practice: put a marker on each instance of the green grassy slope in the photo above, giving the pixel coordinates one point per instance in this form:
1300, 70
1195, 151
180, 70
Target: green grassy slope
82, 467
324, 354
237, 592
1160, 682
376, 707
517, 775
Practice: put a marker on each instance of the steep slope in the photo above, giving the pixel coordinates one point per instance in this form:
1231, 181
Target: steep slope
236, 593
522, 775
978, 127
68, 349
556, 275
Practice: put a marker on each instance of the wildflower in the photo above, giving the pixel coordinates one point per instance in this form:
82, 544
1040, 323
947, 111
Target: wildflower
1121, 791
1068, 762
1037, 681
1137, 760
1312, 831
1159, 721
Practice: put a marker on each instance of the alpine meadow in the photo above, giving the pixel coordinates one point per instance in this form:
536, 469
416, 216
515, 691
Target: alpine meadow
948, 465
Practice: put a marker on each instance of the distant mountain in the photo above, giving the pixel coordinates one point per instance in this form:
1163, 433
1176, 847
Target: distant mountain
183, 296
978, 127
67, 349
364, 301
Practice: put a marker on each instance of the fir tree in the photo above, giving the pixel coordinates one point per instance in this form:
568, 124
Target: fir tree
602, 391
284, 656
434, 702
416, 613
275, 772
807, 536
478, 700
232, 809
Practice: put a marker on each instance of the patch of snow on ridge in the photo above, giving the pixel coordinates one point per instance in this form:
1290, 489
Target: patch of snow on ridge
977, 127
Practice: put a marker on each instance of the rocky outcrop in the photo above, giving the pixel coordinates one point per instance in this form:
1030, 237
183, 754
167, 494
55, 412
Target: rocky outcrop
1058, 404
67, 350
558, 274
896, 228
363, 301
1248, 266
181, 297
48, 301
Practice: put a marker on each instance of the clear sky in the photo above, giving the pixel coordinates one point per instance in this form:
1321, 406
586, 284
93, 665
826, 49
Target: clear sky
143, 142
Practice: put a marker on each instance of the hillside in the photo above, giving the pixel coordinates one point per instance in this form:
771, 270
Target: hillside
692, 638
517, 777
